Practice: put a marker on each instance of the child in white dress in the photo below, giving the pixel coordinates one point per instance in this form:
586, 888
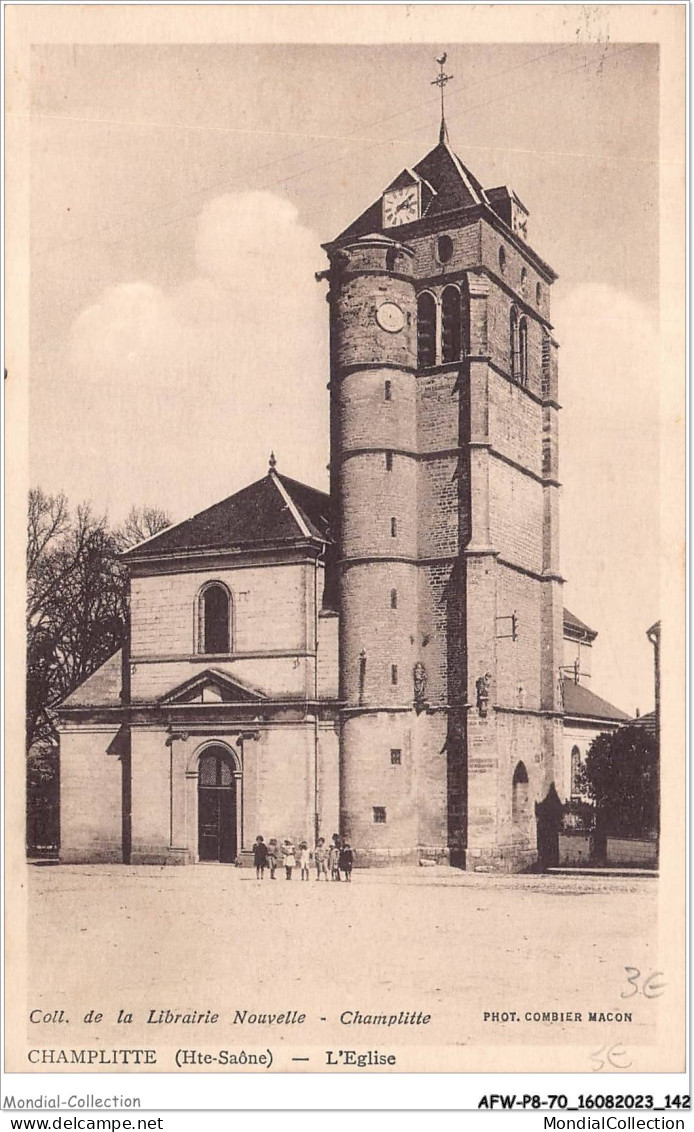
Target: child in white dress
304, 859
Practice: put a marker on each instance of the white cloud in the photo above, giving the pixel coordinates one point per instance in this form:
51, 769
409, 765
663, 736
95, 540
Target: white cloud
183, 393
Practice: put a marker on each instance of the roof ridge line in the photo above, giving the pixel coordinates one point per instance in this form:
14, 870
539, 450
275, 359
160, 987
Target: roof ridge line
300, 483
463, 173
171, 527
298, 519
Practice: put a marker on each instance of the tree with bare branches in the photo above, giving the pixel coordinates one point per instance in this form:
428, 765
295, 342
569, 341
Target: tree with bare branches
76, 612
142, 523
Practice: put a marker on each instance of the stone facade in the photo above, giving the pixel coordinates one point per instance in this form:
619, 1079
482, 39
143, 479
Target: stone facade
390, 660
134, 736
444, 485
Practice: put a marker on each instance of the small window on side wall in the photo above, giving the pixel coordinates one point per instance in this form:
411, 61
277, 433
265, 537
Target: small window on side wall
575, 772
379, 813
395, 756
444, 249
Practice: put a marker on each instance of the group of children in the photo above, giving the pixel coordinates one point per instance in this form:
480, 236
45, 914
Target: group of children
329, 861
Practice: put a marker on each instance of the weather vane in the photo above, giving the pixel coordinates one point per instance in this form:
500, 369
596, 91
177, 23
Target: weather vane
440, 81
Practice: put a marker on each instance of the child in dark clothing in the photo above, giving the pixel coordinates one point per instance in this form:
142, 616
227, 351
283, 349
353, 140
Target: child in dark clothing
346, 861
260, 857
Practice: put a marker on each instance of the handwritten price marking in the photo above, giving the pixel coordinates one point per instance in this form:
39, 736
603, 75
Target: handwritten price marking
610, 1055
647, 986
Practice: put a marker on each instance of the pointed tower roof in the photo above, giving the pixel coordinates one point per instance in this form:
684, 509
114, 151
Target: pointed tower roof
450, 183
448, 188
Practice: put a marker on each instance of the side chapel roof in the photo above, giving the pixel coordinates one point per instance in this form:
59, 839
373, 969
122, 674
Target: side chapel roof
274, 509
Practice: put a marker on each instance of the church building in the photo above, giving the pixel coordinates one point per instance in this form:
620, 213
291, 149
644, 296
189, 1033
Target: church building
385, 661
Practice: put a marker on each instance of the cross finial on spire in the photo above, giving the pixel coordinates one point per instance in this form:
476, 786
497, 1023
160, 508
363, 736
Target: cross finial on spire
440, 81
272, 462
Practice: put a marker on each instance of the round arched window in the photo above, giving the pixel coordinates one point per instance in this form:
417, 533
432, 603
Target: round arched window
502, 259
444, 249
215, 619
451, 325
426, 329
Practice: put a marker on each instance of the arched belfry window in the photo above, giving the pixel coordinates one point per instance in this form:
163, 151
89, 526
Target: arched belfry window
214, 635
426, 329
523, 351
515, 345
451, 325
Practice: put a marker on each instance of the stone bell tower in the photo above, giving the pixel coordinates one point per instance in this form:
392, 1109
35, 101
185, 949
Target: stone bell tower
444, 463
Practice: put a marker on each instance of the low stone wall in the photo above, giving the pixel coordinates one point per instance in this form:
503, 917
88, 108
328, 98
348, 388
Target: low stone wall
576, 847
631, 851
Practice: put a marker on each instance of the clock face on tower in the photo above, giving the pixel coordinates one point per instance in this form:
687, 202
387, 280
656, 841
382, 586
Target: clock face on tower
400, 206
390, 317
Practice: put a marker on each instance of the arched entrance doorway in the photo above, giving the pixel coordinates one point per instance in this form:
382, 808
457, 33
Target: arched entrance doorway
217, 803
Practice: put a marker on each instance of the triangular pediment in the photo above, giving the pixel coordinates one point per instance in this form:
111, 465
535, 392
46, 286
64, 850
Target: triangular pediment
212, 687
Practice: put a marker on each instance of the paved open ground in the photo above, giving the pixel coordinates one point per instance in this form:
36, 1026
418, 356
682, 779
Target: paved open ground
449, 944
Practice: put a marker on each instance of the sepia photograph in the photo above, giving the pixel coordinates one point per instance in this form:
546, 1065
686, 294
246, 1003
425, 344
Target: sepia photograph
347, 391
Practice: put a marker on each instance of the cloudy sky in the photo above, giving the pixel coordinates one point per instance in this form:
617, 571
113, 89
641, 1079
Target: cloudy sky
179, 198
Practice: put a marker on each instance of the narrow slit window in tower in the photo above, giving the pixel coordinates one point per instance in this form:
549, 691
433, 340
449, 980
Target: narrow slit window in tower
387, 391
393, 599
389, 461
545, 363
546, 454
393, 528
393, 674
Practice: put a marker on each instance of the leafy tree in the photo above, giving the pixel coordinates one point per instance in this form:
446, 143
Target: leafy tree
620, 775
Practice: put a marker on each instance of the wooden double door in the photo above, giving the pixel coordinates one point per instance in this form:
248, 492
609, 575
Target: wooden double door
217, 807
